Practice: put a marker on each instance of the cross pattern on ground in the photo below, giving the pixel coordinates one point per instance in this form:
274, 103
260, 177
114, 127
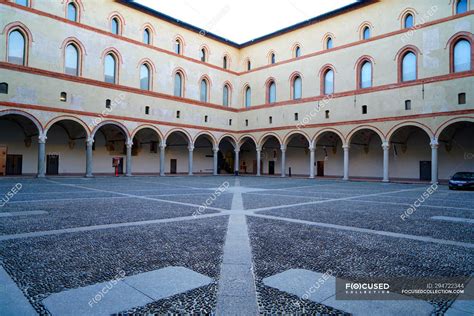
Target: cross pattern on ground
59, 234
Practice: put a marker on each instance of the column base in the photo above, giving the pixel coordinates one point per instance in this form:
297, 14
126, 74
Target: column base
312, 177
41, 176
89, 176
385, 181
128, 175
345, 179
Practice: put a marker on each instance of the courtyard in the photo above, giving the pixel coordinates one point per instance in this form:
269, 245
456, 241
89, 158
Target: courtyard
226, 245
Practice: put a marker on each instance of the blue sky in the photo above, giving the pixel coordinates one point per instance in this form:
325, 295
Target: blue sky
235, 21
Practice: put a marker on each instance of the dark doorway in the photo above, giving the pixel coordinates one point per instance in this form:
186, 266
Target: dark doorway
271, 167
173, 166
425, 170
320, 169
120, 166
52, 164
14, 165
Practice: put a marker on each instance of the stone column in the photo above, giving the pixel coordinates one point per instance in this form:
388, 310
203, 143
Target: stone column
346, 162
386, 159
162, 159
236, 161
311, 161
434, 161
89, 162
190, 160
259, 160
283, 161
215, 162
129, 145
42, 155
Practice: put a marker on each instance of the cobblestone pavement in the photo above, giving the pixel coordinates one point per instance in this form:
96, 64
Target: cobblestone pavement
59, 234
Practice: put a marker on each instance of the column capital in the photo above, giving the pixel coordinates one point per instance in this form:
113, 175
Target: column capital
385, 145
215, 149
42, 138
191, 148
346, 147
90, 141
283, 148
258, 148
129, 144
163, 145
434, 143
312, 148
237, 150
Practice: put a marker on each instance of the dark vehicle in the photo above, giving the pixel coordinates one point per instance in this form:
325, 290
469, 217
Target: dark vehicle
462, 180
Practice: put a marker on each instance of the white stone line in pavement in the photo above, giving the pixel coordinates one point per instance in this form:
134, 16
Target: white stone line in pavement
104, 226
236, 293
328, 200
454, 219
12, 300
69, 199
421, 206
139, 196
464, 304
125, 292
22, 213
173, 185
287, 195
369, 231
302, 283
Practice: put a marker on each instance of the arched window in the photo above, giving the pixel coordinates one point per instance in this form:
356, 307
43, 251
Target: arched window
16, 47
226, 95
273, 58
146, 36
22, 2
329, 82
72, 61
145, 82
409, 21
203, 55
249, 65
225, 62
248, 97
365, 78
3, 88
329, 43
204, 91
297, 52
72, 12
409, 67
271, 92
178, 85
297, 88
366, 33
461, 6
462, 56
178, 47
115, 26
110, 69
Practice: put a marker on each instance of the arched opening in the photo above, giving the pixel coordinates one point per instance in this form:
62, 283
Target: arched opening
109, 142
410, 154
456, 149
146, 151
329, 161
177, 153
203, 154
248, 156
18, 145
66, 148
226, 156
271, 155
297, 155
72, 12
366, 155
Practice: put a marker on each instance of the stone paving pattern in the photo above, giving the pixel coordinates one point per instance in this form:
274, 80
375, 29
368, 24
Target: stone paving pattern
41, 265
